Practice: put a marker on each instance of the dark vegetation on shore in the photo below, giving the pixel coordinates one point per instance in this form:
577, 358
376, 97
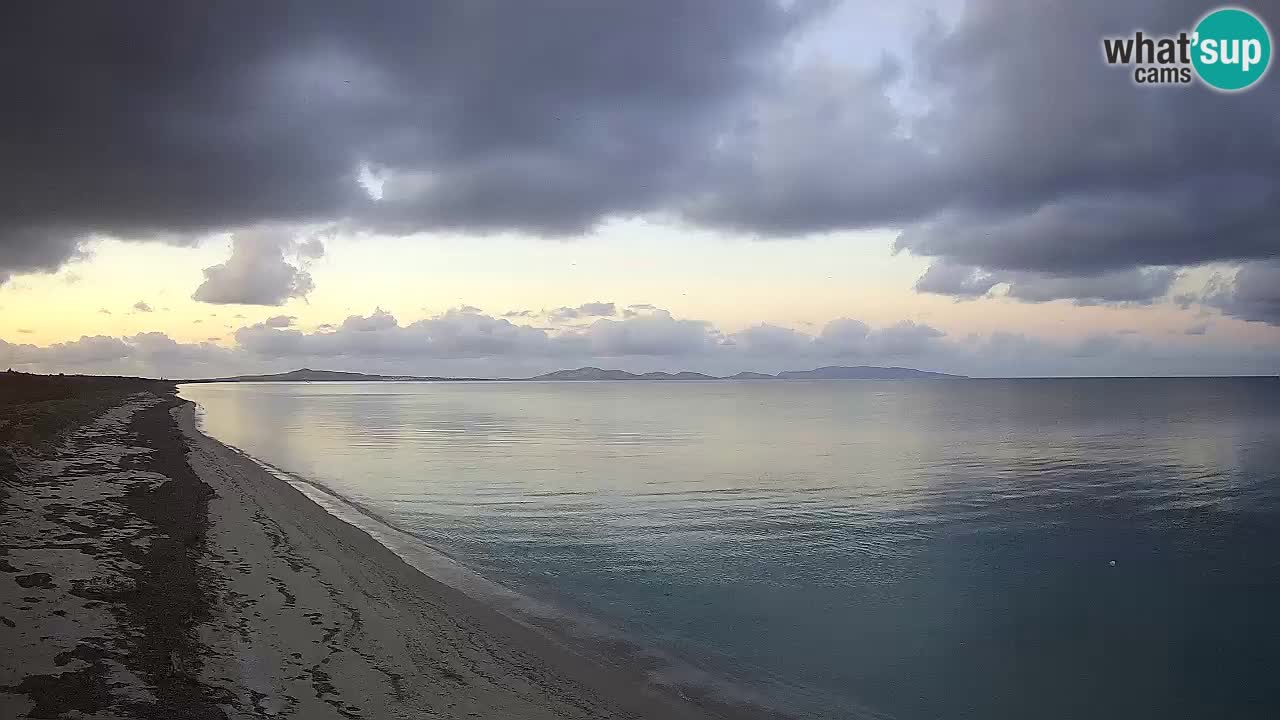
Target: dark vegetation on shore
36, 409
166, 595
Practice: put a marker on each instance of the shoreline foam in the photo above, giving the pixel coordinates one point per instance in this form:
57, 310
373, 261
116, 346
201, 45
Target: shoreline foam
581, 633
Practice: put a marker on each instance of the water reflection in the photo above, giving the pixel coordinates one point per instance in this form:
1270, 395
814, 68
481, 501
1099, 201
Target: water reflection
921, 549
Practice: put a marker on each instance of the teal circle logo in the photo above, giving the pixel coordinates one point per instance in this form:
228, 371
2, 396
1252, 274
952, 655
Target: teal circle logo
1232, 49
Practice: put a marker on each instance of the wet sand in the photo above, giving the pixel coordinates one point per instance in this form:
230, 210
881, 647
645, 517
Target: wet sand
149, 571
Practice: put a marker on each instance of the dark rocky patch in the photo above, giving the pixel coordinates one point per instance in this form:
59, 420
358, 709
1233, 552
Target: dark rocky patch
8, 475
83, 651
9, 469
35, 580
170, 596
160, 602
85, 690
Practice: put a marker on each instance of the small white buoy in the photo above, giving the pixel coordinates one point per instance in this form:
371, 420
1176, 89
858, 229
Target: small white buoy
1113, 563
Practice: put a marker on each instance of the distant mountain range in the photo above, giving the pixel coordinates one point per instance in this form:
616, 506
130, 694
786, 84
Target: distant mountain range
595, 373
309, 375
860, 372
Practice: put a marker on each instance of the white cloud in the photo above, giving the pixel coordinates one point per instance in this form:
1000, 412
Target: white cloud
765, 339
457, 333
153, 353
585, 310
259, 271
845, 336
655, 333
466, 342
903, 339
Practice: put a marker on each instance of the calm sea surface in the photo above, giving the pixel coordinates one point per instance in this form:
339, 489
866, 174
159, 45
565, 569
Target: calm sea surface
935, 549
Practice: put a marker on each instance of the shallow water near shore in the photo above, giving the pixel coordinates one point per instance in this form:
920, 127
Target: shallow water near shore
994, 549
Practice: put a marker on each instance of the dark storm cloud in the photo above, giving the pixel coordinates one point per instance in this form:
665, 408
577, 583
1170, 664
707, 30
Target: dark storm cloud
1135, 286
1002, 145
1252, 294
962, 281
1028, 155
24, 249
162, 119
1138, 286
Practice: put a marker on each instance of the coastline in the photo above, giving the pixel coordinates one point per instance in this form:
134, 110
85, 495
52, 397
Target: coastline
185, 579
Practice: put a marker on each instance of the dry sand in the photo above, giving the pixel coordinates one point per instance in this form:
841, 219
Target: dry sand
149, 571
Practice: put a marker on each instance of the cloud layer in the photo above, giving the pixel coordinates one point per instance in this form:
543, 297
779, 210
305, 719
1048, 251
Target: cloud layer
540, 116
1253, 293
258, 271
467, 342
1001, 145
1032, 164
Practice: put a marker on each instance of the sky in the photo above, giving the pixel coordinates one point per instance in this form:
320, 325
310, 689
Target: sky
503, 189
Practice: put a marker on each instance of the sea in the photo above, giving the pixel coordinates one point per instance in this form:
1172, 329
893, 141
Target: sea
1063, 548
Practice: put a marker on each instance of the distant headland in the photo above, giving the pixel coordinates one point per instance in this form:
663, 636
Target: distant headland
833, 372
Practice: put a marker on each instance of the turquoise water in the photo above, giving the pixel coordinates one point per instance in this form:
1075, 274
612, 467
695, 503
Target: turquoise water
926, 549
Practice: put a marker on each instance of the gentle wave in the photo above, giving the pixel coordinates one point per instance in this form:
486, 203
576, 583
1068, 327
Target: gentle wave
574, 629
979, 549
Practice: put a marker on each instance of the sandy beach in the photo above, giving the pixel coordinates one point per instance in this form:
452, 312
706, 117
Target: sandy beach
149, 571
